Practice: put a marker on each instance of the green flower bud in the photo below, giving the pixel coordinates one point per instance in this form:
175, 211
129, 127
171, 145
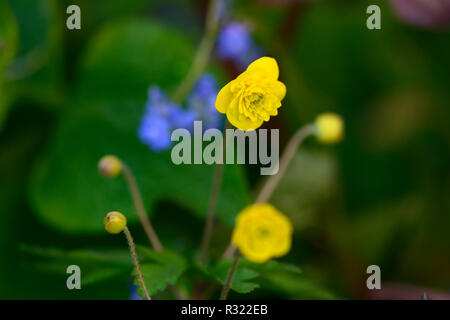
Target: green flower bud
115, 222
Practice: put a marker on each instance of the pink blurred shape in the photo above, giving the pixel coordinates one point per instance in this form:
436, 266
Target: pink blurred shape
397, 291
423, 13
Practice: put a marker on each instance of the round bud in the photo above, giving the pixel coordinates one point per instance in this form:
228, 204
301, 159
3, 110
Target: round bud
110, 166
329, 127
115, 222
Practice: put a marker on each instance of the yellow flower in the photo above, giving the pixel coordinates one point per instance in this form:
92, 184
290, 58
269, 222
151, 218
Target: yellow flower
253, 96
262, 232
115, 222
329, 127
110, 166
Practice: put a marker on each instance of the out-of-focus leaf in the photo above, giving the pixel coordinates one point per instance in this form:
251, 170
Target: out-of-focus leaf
357, 68
159, 269
8, 35
96, 13
401, 115
310, 178
36, 71
295, 286
125, 59
271, 267
249, 276
8, 47
374, 231
95, 265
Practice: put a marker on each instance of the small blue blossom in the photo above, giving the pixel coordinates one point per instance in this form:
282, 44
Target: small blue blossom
155, 132
161, 117
181, 118
202, 101
233, 40
134, 295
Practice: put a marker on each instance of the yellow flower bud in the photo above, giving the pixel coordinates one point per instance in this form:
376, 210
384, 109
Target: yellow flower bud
115, 222
329, 127
110, 166
262, 232
254, 96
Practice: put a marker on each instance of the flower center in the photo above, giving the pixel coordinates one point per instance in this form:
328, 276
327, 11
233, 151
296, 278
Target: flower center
255, 98
263, 232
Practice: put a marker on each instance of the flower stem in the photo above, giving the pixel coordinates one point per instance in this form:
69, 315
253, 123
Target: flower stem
272, 182
143, 217
227, 285
203, 53
136, 261
286, 157
218, 174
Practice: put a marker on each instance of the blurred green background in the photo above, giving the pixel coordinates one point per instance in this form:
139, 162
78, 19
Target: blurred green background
67, 97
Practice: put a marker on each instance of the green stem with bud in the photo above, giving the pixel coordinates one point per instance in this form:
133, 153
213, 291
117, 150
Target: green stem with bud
143, 217
142, 213
127, 233
272, 182
288, 153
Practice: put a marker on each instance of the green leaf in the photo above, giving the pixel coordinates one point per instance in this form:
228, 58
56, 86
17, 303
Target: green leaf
240, 282
8, 35
125, 57
287, 280
159, 269
310, 178
271, 266
8, 47
36, 72
95, 265
295, 286
67, 191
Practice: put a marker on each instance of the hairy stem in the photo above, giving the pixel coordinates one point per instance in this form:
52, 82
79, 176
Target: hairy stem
136, 261
142, 213
227, 285
205, 48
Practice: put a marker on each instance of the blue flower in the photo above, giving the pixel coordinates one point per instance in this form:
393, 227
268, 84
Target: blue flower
233, 40
155, 132
202, 101
134, 295
181, 118
161, 117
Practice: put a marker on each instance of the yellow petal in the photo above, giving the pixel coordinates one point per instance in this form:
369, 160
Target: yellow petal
224, 98
240, 122
268, 65
277, 88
